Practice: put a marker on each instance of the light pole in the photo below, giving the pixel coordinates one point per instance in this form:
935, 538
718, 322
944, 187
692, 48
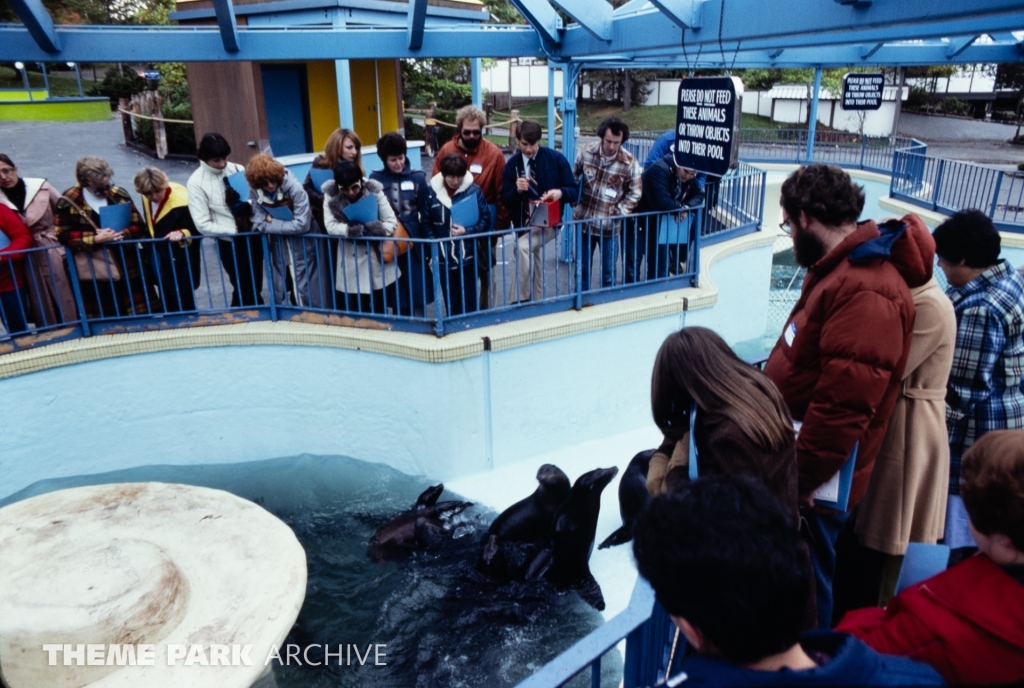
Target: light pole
20, 66
46, 78
78, 78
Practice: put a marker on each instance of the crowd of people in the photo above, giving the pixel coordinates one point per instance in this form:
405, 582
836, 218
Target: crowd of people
887, 413
317, 257
909, 403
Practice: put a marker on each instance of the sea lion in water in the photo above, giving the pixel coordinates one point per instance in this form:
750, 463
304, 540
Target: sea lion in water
633, 497
564, 559
526, 521
418, 528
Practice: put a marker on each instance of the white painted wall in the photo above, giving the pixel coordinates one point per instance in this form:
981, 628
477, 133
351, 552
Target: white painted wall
522, 81
239, 404
979, 78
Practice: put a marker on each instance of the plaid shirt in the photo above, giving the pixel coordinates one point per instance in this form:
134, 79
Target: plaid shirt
610, 188
984, 390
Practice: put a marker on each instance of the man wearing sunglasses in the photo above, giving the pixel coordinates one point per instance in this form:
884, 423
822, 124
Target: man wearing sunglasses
485, 162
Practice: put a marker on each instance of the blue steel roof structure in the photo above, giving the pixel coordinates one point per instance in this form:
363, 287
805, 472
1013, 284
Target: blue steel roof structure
642, 33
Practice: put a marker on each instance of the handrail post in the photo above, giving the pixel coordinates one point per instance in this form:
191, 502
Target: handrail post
995, 195
76, 287
578, 254
268, 268
435, 261
938, 184
863, 148
698, 225
760, 202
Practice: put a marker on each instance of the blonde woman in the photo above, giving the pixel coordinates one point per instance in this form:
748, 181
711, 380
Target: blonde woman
742, 424
173, 265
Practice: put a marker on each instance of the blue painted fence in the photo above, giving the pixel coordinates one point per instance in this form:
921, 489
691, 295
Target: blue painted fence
648, 633
149, 284
951, 185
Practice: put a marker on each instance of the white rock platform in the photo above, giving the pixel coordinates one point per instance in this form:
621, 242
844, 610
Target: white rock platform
144, 564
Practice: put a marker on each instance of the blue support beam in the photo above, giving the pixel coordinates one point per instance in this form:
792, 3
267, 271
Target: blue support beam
812, 123
225, 10
594, 16
754, 24
343, 81
906, 55
871, 50
958, 45
417, 19
570, 74
171, 44
474, 72
551, 105
684, 13
542, 17
39, 24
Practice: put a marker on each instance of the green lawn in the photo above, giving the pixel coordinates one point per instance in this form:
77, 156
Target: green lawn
646, 118
59, 85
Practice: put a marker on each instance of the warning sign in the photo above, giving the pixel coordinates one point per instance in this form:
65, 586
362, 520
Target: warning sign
862, 91
707, 124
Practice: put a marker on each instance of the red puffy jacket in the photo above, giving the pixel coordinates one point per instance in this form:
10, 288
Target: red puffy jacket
840, 361
967, 623
21, 239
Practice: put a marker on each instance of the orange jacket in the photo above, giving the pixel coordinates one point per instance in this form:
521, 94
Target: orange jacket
839, 363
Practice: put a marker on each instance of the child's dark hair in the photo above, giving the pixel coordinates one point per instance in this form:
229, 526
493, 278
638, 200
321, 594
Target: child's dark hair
723, 553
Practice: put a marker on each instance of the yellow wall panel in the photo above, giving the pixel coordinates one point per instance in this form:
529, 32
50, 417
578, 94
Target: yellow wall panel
364, 99
323, 101
388, 95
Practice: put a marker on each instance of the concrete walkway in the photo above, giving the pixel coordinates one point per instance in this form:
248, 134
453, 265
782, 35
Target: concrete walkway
965, 139
50, 150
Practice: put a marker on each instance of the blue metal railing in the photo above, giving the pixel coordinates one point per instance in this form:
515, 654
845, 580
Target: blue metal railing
873, 153
644, 626
146, 284
951, 185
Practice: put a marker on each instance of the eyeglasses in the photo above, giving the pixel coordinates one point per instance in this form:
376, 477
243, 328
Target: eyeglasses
355, 186
472, 133
785, 227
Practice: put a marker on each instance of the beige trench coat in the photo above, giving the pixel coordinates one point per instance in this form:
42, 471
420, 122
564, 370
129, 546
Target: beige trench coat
906, 500
51, 299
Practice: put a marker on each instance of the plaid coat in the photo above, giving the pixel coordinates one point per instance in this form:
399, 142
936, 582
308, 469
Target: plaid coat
610, 189
984, 389
74, 231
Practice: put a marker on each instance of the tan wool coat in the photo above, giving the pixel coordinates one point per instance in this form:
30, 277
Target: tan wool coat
906, 500
51, 298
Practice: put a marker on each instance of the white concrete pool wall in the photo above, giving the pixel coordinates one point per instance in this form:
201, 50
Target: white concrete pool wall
254, 391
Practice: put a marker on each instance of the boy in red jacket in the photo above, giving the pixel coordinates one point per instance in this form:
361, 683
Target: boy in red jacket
968, 622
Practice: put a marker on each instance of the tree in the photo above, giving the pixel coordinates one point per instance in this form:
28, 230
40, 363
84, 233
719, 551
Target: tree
503, 12
1011, 75
101, 11
447, 81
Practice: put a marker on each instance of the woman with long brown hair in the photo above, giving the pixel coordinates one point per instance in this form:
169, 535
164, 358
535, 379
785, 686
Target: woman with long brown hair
342, 144
739, 420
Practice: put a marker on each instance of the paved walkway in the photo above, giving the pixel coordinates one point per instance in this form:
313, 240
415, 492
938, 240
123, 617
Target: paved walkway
964, 139
50, 150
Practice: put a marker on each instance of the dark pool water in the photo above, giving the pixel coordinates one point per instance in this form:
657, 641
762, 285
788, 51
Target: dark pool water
440, 622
